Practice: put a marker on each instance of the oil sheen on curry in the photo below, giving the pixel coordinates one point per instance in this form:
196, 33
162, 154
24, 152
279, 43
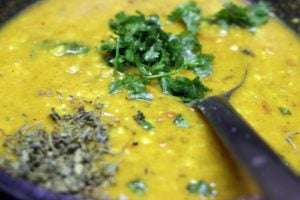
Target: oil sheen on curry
94, 103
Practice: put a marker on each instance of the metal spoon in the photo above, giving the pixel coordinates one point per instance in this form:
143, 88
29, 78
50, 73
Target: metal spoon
275, 179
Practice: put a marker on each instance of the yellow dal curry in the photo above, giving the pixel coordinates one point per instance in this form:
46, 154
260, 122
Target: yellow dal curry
167, 157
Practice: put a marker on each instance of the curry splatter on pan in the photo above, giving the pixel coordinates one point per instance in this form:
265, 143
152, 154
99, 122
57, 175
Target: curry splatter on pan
19, 189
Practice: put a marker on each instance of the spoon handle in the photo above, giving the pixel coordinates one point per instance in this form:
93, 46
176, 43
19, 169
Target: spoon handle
275, 179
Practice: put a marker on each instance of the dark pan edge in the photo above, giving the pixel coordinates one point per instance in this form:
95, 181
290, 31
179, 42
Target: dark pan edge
288, 11
9, 8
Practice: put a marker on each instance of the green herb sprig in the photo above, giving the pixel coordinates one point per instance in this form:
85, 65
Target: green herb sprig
253, 15
136, 87
188, 90
284, 111
201, 187
64, 48
141, 120
143, 52
138, 187
181, 121
189, 14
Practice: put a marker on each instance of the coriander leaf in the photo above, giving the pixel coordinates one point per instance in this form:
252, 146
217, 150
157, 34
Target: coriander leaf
143, 45
188, 14
185, 47
141, 120
63, 48
188, 90
140, 43
200, 187
204, 67
284, 111
181, 121
252, 15
258, 13
138, 187
143, 96
151, 55
115, 86
187, 50
232, 14
136, 87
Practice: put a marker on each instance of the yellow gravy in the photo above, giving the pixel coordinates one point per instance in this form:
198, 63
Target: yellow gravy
33, 81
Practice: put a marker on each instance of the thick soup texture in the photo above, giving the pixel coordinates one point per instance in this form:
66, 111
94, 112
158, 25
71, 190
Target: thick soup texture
167, 157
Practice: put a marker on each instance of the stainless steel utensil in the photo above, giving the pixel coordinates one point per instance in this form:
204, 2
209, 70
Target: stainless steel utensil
275, 179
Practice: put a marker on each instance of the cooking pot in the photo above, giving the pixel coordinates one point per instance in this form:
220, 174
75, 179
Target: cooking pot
287, 10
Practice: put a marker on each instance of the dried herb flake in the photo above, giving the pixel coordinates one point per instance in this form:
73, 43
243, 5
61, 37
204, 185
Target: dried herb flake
201, 187
63, 48
181, 121
284, 111
138, 187
68, 159
141, 120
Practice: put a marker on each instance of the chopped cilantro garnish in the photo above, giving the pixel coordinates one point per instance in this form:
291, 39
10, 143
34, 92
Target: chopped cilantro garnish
252, 15
62, 48
138, 187
188, 90
284, 111
136, 87
181, 121
187, 50
143, 44
188, 14
258, 13
142, 48
141, 120
200, 187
